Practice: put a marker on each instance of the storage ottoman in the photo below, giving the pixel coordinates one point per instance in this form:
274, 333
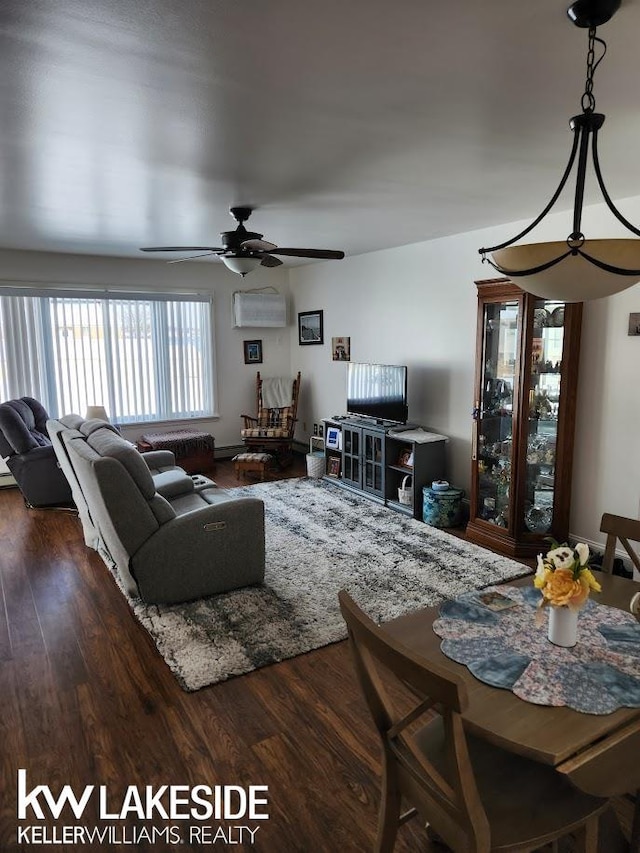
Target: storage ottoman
194, 451
257, 462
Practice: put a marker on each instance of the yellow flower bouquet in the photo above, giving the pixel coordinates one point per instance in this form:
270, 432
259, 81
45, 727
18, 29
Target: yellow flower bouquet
564, 577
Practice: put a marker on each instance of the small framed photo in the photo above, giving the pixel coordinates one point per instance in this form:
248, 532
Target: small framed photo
405, 459
333, 466
634, 324
334, 438
253, 352
341, 349
310, 328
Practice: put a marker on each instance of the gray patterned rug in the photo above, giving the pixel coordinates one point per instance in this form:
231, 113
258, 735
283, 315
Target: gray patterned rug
319, 540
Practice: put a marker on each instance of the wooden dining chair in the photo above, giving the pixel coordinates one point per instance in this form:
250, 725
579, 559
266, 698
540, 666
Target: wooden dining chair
474, 796
621, 529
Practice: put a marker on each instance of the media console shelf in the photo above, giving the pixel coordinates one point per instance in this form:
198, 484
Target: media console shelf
374, 459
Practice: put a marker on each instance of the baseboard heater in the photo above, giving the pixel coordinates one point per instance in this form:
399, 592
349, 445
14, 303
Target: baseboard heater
260, 310
7, 481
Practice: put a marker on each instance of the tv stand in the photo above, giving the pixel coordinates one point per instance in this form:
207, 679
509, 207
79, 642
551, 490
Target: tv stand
376, 460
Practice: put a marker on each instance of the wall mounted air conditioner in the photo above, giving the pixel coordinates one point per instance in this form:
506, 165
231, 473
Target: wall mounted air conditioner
259, 310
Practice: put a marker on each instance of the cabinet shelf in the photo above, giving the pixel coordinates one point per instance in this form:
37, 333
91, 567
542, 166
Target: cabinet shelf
400, 469
398, 507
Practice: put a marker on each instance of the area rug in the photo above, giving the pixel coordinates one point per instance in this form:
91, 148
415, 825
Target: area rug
319, 539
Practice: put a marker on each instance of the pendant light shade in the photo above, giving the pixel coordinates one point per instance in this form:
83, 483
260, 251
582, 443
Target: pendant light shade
573, 279
577, 269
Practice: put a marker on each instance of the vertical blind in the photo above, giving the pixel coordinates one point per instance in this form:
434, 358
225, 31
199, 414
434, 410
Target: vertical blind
141, 357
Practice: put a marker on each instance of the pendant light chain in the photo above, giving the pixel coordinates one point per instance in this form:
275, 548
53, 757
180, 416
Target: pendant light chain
588, 98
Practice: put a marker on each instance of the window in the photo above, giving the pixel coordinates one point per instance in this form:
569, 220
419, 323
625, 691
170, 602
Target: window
142, 357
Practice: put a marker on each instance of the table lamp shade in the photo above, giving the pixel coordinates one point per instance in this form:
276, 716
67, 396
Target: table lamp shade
97, 412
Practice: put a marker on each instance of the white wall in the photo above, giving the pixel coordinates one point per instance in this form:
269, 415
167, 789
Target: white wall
236, 381
416, 305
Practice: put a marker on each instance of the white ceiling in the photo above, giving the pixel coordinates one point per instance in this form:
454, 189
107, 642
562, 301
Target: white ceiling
348, 124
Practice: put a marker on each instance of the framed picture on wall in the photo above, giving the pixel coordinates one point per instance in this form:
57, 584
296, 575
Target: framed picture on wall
341, 349
253, 352
310, 328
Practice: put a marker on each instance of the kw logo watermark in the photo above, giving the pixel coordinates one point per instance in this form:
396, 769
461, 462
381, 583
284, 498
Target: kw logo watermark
179, 803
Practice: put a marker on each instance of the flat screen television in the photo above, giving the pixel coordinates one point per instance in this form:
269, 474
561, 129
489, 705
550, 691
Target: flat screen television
377, 391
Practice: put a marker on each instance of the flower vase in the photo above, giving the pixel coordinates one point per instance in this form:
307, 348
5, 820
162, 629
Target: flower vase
563, 626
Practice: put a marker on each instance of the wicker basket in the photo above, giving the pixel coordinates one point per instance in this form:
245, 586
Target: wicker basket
315, 465
405, 492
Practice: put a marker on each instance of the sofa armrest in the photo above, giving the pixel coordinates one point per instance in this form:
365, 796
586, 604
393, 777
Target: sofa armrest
203, 552
159, 458
173, 483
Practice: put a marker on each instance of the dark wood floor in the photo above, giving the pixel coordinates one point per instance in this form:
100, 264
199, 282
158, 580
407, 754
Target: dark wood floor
85, 698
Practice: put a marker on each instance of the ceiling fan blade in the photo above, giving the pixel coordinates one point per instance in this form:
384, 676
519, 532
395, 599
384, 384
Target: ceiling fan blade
258, 245
270, 261
327, 254
182, 249
191, 258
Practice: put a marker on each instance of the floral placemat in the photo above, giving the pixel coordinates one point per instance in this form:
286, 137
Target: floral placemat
600, 674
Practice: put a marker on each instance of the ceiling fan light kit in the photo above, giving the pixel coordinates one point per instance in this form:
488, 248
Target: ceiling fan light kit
577, 269
243, 251
241, 265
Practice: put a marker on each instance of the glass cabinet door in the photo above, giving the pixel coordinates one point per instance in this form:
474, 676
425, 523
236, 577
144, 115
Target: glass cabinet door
543, 411
351, 456
373, 462
494, 416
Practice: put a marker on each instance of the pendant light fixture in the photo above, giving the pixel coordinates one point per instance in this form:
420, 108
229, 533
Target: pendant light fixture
577, 269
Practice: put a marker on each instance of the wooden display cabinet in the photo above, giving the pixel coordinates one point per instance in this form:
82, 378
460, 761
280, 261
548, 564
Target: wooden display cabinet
524, 417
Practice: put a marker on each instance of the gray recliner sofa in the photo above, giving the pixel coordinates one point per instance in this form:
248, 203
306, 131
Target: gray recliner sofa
169, 539
169, 479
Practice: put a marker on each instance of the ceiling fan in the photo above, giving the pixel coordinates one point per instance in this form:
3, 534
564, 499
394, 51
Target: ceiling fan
242, 251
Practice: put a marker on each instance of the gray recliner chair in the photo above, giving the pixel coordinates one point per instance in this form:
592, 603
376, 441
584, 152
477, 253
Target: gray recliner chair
26, 446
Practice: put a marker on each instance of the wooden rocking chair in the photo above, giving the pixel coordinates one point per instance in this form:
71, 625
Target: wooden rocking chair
273, 429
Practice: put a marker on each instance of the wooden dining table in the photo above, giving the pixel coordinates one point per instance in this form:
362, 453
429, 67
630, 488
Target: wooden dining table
600, 754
